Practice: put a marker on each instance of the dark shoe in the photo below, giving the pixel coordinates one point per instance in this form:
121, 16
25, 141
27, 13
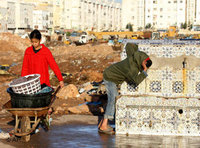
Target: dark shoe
107, 131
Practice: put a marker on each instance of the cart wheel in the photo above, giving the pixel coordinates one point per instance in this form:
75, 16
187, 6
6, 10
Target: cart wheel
25, 127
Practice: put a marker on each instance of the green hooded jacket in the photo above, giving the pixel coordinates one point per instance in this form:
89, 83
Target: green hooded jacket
129, 69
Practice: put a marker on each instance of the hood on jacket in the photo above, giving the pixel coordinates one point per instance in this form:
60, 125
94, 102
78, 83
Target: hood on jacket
139, 57
131, 49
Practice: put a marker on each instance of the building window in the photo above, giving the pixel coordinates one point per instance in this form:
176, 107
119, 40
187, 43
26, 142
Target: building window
148, 10
132, 17
181, 1
175, 1
161, 16
155, 1
154, 9
161, 9
154, 17
169, 2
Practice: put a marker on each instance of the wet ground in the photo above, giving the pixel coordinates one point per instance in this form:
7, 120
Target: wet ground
87, 136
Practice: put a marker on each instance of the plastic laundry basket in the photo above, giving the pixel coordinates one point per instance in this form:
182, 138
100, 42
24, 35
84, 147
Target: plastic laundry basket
30, 100
29, 84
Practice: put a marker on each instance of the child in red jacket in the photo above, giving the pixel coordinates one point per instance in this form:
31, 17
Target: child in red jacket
37, 58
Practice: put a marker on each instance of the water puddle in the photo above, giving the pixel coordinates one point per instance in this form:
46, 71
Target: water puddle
87, 136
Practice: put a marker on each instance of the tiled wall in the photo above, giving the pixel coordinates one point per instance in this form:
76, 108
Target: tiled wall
166, 81
163, 104
168, 51
157, 116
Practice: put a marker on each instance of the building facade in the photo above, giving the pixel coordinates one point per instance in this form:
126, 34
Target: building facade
19, 15
3, 16
67, 14
164, 13
197, 21
26, 10
133, 13
92, 15
43, 16
160, 14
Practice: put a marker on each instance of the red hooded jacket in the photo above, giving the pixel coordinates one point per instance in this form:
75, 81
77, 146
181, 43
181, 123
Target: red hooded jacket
37, 63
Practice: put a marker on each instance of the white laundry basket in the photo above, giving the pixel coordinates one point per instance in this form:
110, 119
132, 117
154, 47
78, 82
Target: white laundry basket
29, 84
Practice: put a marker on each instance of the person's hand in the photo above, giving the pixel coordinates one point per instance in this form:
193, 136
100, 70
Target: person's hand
61, 83
144, 65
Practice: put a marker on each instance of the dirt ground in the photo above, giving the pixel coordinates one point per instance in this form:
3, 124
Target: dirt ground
84, 64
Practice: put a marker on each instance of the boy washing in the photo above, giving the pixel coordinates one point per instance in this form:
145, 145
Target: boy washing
132, 69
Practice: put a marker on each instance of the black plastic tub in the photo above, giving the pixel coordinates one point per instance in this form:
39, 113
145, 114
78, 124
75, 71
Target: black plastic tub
29, 101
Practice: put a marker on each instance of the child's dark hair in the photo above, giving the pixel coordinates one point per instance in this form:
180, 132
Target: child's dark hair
35, 34
149, 63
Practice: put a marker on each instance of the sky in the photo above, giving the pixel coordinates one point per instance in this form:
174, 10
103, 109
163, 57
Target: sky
119, 1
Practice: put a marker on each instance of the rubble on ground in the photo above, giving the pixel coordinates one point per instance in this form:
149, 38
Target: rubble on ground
69, 91
82, 68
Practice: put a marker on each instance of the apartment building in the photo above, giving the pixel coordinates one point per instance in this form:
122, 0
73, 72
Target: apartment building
42, 13
18, 15
133, 13
43, 16
3, 16
26, 10
197, 21
92, 15
159, 13
164, 13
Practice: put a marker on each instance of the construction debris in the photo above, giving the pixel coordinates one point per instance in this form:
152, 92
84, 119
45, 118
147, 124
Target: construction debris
81, 66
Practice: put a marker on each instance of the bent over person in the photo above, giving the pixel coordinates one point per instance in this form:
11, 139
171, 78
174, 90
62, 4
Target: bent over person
133, 69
